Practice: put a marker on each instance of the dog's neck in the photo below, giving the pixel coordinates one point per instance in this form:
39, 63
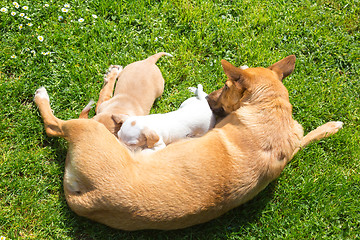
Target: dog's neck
267, 119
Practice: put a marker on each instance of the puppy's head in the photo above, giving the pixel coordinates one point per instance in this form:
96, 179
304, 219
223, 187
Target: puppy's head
135, 135
242, 83
110, 123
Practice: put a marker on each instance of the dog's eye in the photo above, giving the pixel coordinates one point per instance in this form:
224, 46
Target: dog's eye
226, 87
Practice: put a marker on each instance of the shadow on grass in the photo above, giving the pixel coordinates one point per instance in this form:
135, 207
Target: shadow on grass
238, 221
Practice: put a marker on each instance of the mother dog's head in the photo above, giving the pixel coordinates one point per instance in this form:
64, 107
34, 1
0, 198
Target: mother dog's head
243, 82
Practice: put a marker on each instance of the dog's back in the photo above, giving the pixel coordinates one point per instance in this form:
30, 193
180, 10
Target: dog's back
143, 81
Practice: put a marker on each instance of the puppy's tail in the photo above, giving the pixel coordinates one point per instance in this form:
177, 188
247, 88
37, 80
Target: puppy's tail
85, 112
154, 58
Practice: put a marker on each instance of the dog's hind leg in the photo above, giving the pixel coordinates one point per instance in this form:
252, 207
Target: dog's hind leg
109, 83
53, 125
320, 132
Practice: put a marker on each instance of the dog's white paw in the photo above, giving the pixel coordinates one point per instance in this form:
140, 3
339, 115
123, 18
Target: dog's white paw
338, 125
244, 67
334, 127
42, 93
113, 70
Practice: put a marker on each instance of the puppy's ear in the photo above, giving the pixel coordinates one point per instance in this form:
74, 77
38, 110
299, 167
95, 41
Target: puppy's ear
284, 67
151, 137
119, 118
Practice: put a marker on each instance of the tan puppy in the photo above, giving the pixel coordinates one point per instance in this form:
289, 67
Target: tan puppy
191, 181
137, 87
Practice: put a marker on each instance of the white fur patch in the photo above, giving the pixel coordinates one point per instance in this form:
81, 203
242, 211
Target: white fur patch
168, 54
244, 67
70, 179
42, 93
339, 124
112, 68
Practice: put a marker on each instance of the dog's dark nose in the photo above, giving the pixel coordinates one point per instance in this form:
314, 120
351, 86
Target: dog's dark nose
219, 112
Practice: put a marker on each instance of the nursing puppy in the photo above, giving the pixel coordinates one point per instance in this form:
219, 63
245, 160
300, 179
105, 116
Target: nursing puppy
194, 118
137, 87
190, 181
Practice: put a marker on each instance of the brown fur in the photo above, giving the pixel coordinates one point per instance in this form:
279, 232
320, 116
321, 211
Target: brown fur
191, 181
137, 87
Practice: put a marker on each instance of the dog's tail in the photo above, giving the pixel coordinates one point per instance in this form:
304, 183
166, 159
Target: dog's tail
85, 112
154, 58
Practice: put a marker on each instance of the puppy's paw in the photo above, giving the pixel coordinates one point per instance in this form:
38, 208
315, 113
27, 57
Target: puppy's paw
41, 93
192, 89
113, 71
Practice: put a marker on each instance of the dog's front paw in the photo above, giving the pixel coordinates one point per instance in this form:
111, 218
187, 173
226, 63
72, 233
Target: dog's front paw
333, 127
41, 93
113, 71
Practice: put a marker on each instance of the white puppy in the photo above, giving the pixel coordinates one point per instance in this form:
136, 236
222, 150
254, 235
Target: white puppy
153, 132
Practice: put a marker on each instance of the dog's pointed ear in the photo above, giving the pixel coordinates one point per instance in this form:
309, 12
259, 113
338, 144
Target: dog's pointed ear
151, 137
284, 67
119, 118
236, 75
232, 72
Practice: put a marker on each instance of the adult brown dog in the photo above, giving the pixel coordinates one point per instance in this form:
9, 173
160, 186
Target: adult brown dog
191, 181
137, 87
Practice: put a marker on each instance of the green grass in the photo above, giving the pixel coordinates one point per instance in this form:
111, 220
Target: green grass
317, 195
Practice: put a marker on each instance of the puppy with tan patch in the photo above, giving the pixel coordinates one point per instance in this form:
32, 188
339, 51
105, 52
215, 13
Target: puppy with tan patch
153, 132
190, 181
137, 87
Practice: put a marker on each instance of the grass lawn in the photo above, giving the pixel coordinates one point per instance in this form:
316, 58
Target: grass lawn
317, 195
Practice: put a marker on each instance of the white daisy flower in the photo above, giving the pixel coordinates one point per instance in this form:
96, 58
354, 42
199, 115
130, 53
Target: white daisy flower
20, 26
81, 20
25, 7
17, 6
4, 10
13, 13
33, 52
22, 14
15, 3
29, 24
2, 238
67, 6
40, 38
60, 18
94, 16
46, 5
64, 10
13, 56
27, 18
